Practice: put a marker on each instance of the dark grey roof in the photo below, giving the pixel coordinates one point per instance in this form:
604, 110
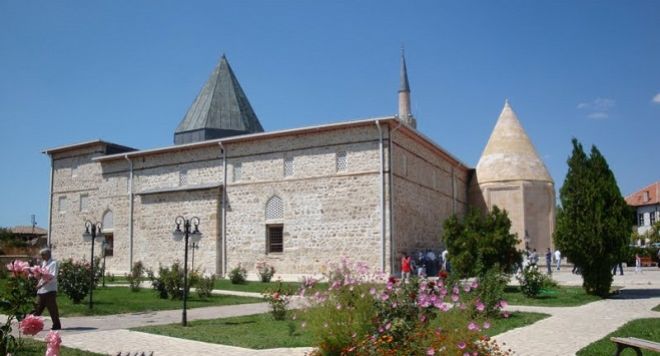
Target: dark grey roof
221, 109
404, 74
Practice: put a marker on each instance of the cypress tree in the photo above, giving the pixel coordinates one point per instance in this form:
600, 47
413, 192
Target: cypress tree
592, 222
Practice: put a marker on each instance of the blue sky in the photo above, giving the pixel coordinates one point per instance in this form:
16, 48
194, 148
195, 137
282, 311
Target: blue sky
127, 71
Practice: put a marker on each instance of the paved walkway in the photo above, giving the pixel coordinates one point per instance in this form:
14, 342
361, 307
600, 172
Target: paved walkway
566, 331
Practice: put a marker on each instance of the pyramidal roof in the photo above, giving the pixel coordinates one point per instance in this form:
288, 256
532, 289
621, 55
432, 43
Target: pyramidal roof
221, 109
509, 154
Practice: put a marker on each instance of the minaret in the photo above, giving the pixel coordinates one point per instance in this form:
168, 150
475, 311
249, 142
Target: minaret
404, 96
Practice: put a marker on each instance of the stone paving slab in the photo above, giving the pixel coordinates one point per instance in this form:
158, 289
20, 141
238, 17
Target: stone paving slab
111, 342
569, 329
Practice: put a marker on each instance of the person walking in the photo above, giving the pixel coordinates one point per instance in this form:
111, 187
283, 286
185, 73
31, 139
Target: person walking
47, 290
638, 263
405, 267
533, 258
620, 265
548, 260
558, 259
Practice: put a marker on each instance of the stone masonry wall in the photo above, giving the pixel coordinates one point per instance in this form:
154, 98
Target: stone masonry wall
423, 195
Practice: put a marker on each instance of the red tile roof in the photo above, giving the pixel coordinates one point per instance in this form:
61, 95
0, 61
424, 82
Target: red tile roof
647, 196
27, 230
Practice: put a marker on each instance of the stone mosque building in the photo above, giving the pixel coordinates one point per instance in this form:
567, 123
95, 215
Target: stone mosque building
298, 198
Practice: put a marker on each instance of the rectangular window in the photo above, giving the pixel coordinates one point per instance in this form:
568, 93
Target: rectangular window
109, 244
341, 163
641, 219
238, 171
84, 202
274, 238
288, 166
61, 205
652, 216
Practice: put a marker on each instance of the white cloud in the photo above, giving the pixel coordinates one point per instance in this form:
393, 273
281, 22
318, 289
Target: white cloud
656, 99
598, 108
598, 115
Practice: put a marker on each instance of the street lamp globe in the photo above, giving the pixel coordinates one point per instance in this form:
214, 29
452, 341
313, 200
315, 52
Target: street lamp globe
87, 236
177, 234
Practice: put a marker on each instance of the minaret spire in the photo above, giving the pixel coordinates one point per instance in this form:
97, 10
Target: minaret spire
404, 95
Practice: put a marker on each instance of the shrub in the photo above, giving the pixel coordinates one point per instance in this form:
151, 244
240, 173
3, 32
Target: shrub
360, 315
238, 275
157, 283
531, 281
265, 271
73, 279
204, 286
278, 300
169, 282
111, 277
16, 300
135, 277
479, 242
489, 292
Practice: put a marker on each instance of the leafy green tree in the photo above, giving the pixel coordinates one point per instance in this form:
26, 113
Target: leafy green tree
481, 242
593, 224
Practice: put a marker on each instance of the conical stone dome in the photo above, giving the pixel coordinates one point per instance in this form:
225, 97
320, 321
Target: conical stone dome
509, 154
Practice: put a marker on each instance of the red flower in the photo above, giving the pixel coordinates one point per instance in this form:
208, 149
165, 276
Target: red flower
31, 325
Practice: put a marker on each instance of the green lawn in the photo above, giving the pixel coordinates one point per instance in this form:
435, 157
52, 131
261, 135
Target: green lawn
515, 320
260, 287
33, 347
648, 329
657, 308
262, 332
555, 297
117, 300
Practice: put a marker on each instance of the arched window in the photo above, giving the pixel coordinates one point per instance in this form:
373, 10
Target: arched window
108, 221
108, 228
274, 208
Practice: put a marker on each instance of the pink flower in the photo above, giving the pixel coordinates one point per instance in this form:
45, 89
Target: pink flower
480, 306
53, 341
486, 325
384, 297
454, 298
474, 285
472, 326
503, 303
18, 268
461, 345
466, 288
505, 314
430, 351
372, 291
31, 325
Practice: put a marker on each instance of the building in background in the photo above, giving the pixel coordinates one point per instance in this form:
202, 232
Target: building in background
298, 199
646, 202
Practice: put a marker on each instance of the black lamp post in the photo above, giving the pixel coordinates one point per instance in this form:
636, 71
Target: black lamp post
195, 235
91, 229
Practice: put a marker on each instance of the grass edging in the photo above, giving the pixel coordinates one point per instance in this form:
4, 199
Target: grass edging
648, 329
260, 331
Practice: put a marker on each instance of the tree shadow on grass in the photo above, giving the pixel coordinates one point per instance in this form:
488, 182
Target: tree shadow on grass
239, 322
636, 294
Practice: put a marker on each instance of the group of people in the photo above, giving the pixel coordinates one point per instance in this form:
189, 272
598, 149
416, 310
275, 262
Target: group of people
425, 263
532, 258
